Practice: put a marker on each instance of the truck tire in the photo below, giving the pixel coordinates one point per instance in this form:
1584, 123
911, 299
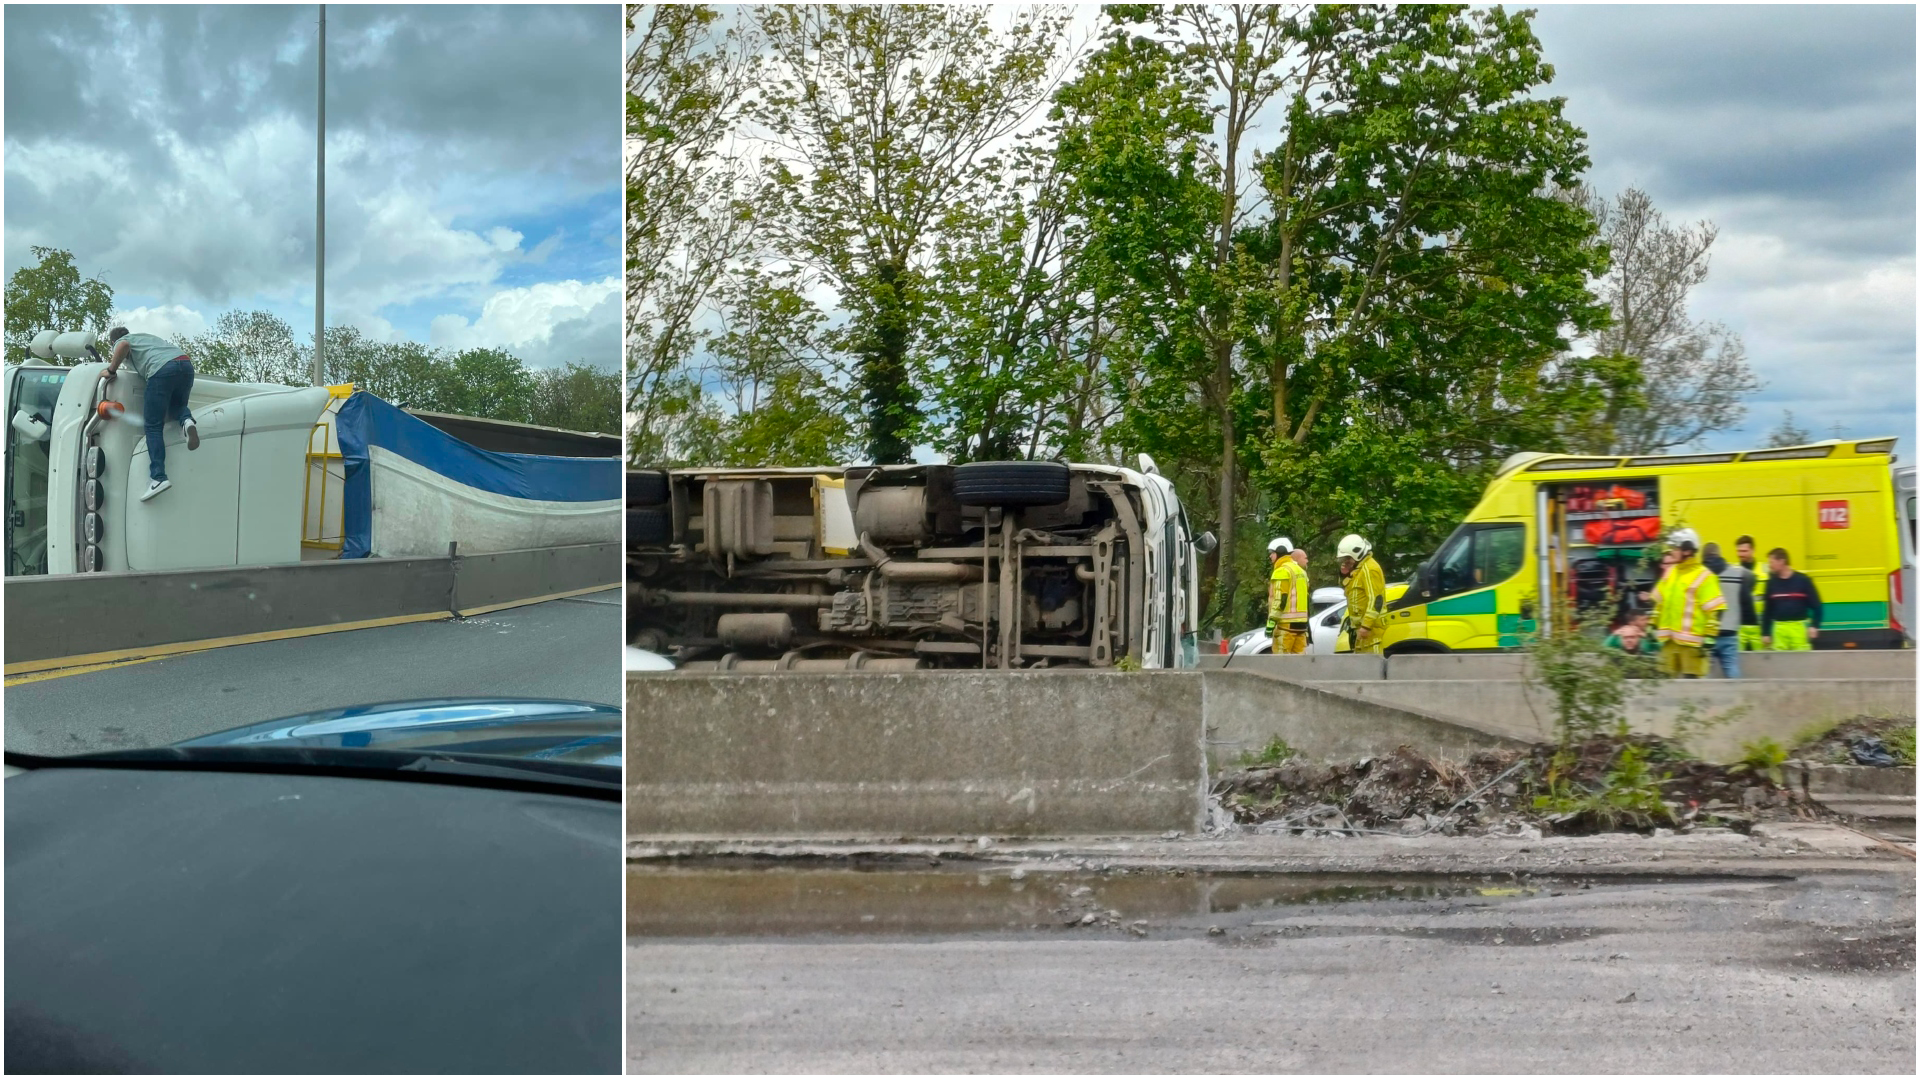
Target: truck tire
649, 526
1011, 485
646, 488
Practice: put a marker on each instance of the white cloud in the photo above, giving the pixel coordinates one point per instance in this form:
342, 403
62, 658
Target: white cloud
173, 321
545, 324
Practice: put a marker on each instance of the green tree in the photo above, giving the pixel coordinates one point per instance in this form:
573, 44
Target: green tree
685, 83
486, 382
1157, 141
405, 374
51, 294
879, 123
576, 396
253, 346
1014, 352
1371, 314
1689, 378
1787, 434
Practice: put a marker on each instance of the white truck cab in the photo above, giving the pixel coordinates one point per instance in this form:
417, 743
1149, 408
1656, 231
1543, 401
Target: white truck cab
76, 464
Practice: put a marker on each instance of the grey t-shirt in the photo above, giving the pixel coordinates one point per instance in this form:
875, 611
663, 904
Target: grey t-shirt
146, 353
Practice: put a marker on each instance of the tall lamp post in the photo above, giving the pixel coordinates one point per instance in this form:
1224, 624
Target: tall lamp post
320, 219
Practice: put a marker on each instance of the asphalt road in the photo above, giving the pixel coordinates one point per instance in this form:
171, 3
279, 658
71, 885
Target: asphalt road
568, 648
1806, 975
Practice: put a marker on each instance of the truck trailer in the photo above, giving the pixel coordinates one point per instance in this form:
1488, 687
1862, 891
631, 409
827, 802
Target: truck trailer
1022, 564
282, 474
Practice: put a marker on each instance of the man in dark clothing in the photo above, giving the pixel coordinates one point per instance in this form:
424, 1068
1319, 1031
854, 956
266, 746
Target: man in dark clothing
1790, 616
1736, 583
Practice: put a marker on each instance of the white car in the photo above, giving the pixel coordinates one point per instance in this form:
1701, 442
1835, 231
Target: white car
640, 660
1329, 605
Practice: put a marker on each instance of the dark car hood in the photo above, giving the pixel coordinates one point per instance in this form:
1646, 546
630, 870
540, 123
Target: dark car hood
531, 728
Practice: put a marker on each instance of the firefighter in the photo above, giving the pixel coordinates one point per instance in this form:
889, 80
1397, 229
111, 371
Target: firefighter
1791, 620
1287, 606
1366, 588
1687, 607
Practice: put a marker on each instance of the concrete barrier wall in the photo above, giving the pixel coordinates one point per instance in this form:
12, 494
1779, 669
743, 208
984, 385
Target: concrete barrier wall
1245, 710
1345, 667
1773, 708
1816, 664
59, 616
926, 753
497, 577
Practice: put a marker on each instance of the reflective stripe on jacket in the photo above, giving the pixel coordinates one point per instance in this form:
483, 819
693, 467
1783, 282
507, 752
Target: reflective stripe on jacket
1287, 593
1687, 605
1366, 592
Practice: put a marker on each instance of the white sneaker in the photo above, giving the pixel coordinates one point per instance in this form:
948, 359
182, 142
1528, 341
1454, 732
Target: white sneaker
192, 432
155, 489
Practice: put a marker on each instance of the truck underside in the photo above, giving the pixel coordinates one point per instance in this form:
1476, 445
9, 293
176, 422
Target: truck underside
982, 565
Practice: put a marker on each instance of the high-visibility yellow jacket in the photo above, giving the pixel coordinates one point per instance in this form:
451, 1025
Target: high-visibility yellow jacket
1287, 594
1366, 595
1687, 604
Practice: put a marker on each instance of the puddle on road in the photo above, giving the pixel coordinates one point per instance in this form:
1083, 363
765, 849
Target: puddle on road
705, 901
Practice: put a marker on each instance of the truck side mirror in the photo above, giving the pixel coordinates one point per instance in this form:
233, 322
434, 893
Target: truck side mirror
1206, 542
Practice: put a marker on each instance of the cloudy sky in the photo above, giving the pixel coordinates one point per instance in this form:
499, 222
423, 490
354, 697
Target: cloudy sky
1792, 128
473, 167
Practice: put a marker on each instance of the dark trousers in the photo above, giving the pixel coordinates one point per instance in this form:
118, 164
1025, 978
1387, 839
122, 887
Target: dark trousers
167, 392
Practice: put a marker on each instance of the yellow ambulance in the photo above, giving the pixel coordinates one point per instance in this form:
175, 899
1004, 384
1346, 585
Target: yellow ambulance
1557, 533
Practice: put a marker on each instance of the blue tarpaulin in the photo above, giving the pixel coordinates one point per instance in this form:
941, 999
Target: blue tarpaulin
366, 420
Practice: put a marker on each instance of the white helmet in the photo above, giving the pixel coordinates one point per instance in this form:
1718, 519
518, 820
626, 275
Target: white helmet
1684, 539
1280, 546
1354, 547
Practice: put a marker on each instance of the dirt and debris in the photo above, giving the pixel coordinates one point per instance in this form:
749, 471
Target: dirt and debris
1841, 744
1632, 783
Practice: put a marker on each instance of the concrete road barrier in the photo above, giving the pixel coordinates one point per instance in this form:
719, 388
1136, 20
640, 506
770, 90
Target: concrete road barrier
1303, 668
1745, 709
925, 753
1061, 752
1331, 721
1814, 664
498, 577
54, 618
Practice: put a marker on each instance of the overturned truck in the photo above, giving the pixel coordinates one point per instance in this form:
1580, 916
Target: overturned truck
976, 565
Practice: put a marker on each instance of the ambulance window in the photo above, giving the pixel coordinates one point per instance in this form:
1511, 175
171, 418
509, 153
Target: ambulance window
1453, 566
1477, 557
1497, 552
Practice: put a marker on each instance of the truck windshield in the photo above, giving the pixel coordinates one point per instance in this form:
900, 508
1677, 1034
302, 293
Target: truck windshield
31, 391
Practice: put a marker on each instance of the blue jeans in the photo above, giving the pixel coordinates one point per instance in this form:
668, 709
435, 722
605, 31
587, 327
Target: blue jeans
1726, 655
167, 392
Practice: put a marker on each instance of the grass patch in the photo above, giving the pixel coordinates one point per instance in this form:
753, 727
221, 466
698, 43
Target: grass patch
1275, 752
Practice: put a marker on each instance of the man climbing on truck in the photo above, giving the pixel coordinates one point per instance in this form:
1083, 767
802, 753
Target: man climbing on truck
169, 376
1790, 615
1687, 606
1366, 587
1287, 599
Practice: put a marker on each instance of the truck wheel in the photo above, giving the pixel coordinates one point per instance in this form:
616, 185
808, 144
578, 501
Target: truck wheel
1011, 485
649, 526
646, 488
